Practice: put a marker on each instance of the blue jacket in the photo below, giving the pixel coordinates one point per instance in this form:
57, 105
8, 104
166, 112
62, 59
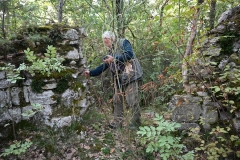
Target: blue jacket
122, 55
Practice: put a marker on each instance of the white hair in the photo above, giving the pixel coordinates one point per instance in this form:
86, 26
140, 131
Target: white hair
109, 34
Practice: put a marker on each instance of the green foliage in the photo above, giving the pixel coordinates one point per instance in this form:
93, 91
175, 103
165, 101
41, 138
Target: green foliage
39, 38
50, 63
105, 151
228, 90
226, 43
31, 112
17, 148
156, 61
62, 85
109, 138
150, 38
92, 116
56, 34
159, 92
13, 74
160, 139
49, 140
5, 47
218, 145
76, 127
127, 154
37, 85
97, 126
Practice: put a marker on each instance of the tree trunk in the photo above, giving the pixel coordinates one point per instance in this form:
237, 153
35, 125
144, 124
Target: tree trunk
189, 48
212, 14
4, 6
3, 21
120, 18
60, 10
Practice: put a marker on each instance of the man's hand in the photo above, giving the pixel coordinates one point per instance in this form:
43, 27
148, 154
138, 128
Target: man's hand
109, 59
86, 73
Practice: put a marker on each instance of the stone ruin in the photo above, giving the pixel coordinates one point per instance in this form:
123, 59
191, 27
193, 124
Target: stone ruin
59, 109
220, 49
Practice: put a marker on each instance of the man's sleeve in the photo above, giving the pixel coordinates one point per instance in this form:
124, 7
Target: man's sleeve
97, 71
127, 52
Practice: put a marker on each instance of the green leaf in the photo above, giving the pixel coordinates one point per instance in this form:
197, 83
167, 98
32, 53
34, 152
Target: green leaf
217, 89
213, 63
149, 149
231, 102
168, 7
237, 143
149, 134
147, 128
238, 154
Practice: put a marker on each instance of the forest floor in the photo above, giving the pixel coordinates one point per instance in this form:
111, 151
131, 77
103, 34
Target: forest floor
89, 139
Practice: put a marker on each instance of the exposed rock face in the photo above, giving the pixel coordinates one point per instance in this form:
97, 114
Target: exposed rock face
217, 64
56, 106
191, 110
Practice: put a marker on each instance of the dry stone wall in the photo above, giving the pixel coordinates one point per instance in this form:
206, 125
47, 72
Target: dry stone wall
217, 64
57, 109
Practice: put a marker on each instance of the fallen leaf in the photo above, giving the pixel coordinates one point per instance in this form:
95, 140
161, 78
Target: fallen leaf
112, 150
86, 147
179, 102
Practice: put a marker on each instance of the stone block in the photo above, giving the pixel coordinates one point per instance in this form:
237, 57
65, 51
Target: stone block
185, 108
2, 75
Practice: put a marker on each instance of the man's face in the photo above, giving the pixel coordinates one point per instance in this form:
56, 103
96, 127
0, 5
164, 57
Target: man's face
107, 42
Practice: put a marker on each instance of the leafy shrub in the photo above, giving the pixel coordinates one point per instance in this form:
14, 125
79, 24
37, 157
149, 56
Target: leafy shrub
50, 63
218, 145
228, 90
160, 139
45, 66
16, 148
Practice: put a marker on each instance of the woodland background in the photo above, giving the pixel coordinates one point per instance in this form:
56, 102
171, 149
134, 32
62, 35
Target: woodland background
163, 33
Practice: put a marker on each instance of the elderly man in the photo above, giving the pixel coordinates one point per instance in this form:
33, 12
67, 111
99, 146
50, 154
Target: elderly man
126, 72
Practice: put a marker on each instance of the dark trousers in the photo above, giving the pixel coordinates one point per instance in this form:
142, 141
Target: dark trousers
128, 94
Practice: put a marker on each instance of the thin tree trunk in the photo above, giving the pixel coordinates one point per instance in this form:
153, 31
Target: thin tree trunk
120, 18
212, 14
60, 10
161, 13
3, 23
108, 8
189, 48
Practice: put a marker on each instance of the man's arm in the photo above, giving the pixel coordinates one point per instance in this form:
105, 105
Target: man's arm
97, 71
128, 52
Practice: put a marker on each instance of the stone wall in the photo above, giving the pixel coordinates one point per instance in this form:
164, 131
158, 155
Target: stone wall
58, 109
217, 64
